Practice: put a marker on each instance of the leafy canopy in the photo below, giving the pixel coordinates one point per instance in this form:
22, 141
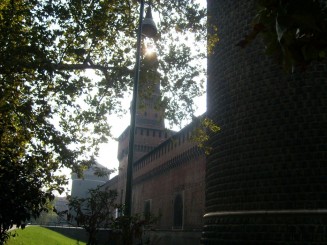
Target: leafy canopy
294, 31
52, 114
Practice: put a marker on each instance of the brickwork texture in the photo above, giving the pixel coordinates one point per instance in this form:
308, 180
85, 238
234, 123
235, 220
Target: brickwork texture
176, 167
266, 179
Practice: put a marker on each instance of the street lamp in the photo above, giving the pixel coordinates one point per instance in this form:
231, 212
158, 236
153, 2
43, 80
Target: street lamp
148, 28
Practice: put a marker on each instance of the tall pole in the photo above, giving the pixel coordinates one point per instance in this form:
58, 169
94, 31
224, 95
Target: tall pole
129, 175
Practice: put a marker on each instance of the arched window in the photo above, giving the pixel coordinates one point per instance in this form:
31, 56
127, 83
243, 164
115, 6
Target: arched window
178, 212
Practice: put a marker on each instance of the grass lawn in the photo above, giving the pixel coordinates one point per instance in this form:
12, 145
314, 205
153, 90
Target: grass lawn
35, 235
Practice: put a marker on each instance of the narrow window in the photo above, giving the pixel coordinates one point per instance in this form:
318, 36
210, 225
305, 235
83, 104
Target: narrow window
147, 209
178, 212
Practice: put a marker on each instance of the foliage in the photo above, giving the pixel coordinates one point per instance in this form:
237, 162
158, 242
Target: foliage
49, 216
93, 212
97, 211
132, 227
52, 114
294, 31
204, 127
21, 195
41, 236
212, 39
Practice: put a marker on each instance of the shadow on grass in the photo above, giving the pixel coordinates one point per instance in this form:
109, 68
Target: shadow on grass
79, 234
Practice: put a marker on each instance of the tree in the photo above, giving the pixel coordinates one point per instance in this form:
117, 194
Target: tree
132, 227
94, 212
97, 211
294, 31
52, 114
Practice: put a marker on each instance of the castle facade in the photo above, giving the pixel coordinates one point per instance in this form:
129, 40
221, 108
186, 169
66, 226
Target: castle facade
168, 171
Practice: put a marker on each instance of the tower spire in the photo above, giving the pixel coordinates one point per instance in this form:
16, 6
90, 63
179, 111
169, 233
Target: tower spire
150, 113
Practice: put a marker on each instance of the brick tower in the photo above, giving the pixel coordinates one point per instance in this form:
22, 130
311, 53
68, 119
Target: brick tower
266, 179
149, 127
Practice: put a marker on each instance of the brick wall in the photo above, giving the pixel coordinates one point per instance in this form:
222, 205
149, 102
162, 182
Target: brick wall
176, 167
266, 179
146, 140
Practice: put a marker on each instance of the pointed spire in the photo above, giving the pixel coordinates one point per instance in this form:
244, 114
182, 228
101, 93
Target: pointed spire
149, 28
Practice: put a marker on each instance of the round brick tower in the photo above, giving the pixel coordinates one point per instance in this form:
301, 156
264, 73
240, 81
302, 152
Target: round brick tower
266, 179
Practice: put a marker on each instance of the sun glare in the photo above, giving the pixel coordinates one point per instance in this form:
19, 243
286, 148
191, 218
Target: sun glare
149, 49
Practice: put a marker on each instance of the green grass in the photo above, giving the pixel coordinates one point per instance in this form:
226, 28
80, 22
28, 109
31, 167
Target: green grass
35, 235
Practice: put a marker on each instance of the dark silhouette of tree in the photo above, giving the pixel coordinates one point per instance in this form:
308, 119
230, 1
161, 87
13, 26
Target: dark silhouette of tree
294, 31
93, 212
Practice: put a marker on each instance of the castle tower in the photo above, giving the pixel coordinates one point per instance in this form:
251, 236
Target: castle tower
150, 113
89, 180
150, 128
266, 178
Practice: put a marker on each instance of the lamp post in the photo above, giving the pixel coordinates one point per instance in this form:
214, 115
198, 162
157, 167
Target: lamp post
147, 28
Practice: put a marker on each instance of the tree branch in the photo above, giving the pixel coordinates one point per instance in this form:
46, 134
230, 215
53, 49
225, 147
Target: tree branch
84, 66
88, 65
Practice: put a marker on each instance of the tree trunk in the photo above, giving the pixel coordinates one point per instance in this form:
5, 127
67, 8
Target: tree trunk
92, 238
